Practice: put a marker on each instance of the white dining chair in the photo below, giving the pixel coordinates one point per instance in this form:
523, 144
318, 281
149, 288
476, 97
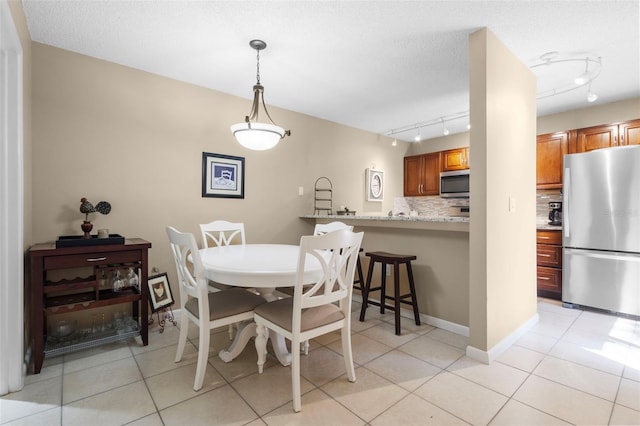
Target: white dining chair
222, 233
324, 228
317, 309
319, 229
207, 310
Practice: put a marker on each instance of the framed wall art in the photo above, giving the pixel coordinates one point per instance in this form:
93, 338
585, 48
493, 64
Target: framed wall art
160, 295
222, 176
374, 185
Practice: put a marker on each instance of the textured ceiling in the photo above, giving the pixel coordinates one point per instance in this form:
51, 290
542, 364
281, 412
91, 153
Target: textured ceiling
373, 65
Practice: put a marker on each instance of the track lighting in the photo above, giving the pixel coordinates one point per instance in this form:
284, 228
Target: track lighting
591, 97
445, 131
593, 66
584, 77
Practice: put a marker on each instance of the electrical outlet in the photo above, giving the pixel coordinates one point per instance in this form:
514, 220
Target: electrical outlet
300, 190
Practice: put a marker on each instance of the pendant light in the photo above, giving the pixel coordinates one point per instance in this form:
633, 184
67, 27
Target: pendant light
253, 134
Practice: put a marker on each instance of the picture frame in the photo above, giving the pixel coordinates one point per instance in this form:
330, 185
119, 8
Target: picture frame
222, 176
160, 296
374, 182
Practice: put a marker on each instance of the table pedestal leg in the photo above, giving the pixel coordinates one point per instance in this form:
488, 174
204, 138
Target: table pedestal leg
245, 333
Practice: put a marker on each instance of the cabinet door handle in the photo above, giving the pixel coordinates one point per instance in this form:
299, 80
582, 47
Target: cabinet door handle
542, 237
96, 259
544, 255
544, 278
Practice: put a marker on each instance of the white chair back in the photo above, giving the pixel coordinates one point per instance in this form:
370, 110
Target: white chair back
337, 253
191, 278
222, 233
324, 228
232, 306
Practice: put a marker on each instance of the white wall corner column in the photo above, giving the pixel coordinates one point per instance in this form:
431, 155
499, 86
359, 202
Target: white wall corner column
12, 369
502, 284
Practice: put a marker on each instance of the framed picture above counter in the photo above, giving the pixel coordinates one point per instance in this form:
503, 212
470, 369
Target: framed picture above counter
374, 185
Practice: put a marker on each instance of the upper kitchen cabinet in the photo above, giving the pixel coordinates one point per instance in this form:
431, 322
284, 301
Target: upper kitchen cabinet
627, 133
454, 159
550, 149
421, 174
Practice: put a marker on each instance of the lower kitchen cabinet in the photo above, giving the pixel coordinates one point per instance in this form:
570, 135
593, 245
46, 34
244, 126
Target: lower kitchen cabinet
549, 263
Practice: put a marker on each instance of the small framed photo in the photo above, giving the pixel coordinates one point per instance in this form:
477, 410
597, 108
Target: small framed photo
374, 185
222, 176
160, 295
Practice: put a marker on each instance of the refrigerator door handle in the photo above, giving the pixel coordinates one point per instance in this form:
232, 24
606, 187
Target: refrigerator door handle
566, 190
604, 255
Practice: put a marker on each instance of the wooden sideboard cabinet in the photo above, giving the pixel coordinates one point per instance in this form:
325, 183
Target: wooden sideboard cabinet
52, 295
549, 263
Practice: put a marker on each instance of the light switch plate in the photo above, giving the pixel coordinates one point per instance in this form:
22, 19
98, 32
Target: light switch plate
512, 204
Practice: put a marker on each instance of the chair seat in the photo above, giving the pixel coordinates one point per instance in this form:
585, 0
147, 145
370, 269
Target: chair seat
227, 303
280, 312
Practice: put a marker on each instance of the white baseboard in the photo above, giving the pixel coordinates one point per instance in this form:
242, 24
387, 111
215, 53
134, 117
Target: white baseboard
428, 319
490, 355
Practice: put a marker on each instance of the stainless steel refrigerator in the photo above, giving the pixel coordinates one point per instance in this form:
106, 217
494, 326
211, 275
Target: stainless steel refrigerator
601, 230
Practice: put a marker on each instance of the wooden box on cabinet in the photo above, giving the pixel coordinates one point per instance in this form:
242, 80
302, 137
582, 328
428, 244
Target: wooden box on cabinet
422, 174
549, 263
51, 296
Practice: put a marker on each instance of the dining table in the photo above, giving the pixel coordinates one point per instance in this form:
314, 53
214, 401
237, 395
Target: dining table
263, 267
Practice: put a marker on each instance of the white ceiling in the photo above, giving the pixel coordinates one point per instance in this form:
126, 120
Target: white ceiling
373, 65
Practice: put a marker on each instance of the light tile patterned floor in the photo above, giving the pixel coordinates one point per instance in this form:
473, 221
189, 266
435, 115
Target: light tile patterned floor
574, 367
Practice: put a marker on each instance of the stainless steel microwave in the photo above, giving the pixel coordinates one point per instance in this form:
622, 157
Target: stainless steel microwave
454, 184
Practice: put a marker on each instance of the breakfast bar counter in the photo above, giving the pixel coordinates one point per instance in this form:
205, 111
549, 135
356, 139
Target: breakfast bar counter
441, 270
436, 223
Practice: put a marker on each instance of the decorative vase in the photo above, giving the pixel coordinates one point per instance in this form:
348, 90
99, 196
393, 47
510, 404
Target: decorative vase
86, 227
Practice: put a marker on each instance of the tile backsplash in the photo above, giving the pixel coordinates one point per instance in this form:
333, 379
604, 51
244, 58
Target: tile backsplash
543, 198
427, 206
436, 206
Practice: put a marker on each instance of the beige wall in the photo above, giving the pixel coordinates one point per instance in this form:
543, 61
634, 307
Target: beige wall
502, 239
108, 132
593, 115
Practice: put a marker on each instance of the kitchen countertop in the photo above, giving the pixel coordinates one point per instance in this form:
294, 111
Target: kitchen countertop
443, 223
543, 225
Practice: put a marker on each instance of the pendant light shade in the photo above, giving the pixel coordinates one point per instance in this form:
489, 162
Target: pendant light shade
257, 136
253, 134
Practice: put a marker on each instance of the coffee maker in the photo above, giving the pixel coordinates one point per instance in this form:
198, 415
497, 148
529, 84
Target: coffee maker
555, 213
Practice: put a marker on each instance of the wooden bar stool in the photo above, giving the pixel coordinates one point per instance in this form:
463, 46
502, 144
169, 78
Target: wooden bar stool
396, 260
360, 278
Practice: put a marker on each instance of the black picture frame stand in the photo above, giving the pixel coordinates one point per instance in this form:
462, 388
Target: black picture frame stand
167, 315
